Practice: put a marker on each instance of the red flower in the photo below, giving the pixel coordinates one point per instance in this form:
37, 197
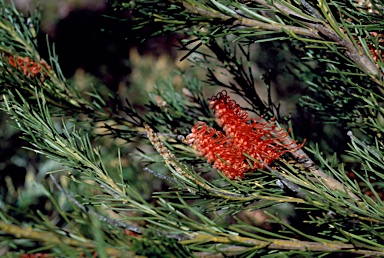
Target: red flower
29, 67
219, 149
244, 137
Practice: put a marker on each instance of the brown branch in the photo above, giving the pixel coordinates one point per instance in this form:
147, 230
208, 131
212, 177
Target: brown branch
49, 238
285, 183
275, 244
327, 180
242, 21
331, 183
314, 30
355, 53
116, 223
272, 244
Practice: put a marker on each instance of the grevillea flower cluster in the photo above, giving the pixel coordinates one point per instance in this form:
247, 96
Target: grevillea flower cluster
247, 144
29, 67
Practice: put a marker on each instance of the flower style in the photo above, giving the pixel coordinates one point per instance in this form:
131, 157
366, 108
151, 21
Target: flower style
244, 137
29, 67
218, 149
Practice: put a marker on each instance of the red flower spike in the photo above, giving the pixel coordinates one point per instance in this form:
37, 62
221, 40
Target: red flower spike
218, 149
256, 137
29, 67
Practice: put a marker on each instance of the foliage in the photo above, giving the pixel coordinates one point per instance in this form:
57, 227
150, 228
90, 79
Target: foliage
301, 203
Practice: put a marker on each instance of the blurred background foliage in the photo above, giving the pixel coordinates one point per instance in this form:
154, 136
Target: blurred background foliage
97, 45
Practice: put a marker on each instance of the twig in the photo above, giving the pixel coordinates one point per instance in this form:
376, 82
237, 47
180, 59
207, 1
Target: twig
272, 244
355, 53
291, 186
240, 20
311, 10
159, 175
169, 179
110, 190
308, 163
100, 217
276, 244
170, 135
314, 30
364, 145
55, 239
112, 221
331, 183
